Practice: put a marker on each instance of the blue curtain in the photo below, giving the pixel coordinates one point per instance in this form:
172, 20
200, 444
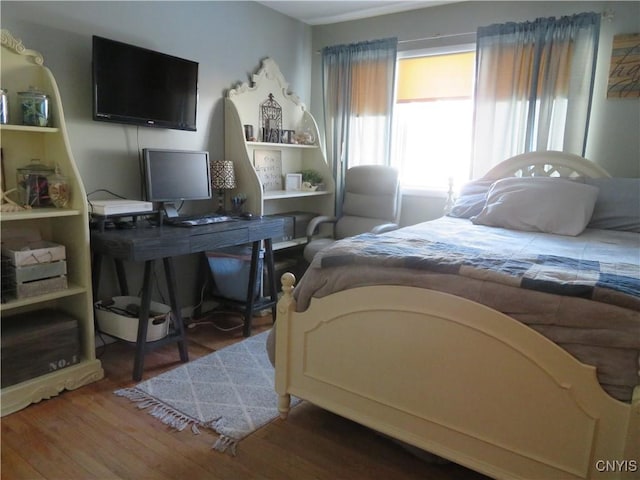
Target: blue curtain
534, 84
358, 92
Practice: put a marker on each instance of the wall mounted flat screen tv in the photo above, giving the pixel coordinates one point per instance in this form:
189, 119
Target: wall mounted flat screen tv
138, 86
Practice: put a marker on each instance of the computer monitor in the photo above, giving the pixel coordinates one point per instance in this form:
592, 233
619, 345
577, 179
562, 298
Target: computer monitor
172, 176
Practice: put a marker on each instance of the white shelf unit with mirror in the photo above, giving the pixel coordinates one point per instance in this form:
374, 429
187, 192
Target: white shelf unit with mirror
67, 226
243, 107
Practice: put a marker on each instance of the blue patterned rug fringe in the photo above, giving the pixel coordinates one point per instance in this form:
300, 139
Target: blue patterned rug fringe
229, 392
175, 419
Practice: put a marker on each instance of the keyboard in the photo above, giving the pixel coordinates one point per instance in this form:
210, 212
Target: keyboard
195, 220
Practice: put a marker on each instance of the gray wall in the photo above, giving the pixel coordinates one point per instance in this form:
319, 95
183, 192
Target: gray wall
613, 139
229, 39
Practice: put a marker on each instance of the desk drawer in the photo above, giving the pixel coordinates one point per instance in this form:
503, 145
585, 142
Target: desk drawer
215, 240
160, 247
271, 229
139, 248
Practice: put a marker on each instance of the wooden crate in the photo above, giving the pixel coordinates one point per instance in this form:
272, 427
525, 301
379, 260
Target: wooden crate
37, 343
32, 280
6, 285
29, 273
32, 253
38, 287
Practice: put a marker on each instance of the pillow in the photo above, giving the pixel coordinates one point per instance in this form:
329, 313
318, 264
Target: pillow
618, 204
472, 198
539, 204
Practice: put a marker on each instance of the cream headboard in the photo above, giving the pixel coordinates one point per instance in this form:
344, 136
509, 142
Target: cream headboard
546, 164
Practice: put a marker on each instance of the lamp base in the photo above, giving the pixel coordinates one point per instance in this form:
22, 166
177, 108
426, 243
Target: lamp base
222, 197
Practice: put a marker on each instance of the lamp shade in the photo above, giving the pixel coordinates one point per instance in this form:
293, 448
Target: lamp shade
222, 175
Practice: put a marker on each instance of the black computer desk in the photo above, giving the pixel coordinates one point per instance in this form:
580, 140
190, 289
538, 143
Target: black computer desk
147, 243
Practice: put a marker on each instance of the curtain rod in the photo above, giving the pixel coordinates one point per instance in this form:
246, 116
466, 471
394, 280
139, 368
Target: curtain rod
431, 37
437, 35
608, 15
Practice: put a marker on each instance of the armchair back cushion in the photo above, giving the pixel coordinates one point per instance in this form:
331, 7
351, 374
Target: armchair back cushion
371, 198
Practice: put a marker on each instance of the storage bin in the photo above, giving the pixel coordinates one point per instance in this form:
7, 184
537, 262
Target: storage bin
120, 319
295, 224
36, 343
230, 268
300, 222
288, 223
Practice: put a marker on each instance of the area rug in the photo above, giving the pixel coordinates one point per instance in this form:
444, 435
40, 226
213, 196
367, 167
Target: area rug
230, 391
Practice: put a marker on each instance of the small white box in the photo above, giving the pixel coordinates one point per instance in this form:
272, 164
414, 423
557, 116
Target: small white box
115, 207
126, 328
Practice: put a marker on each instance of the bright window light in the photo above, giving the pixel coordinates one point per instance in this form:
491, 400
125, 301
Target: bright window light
432, 120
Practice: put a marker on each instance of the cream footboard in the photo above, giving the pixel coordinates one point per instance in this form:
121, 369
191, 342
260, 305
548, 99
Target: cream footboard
457, 379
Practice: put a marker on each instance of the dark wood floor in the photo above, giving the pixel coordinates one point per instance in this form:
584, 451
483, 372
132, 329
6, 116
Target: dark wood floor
90, 433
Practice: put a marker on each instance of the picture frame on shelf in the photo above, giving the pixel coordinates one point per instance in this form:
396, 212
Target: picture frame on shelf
268, 166
293, 182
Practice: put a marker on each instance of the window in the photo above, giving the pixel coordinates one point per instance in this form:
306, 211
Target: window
368, 140
367, 145
432, 119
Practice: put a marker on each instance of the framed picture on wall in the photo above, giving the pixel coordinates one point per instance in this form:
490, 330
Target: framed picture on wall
293, 181
624, 68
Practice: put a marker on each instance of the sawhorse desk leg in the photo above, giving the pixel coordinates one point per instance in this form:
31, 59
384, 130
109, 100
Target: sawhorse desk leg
142, 347
178, 325
253, 280
96, 271
143, 323
271, 271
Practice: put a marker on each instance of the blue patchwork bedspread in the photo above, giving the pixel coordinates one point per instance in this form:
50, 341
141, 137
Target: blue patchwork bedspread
596, 269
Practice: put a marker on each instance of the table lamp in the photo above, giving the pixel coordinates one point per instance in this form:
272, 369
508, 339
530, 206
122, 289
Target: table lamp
222, 178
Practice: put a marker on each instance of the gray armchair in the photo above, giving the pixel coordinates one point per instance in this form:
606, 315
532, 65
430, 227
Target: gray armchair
371, 203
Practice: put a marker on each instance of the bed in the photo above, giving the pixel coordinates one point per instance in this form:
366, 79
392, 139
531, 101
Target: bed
427, 355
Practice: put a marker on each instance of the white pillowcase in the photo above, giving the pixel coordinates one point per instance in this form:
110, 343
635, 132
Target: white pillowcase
539, 204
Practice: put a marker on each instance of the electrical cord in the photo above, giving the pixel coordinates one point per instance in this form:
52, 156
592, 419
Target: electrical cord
204, 318
214, 324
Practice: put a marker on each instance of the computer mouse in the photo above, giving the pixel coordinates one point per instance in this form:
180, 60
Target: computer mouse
246, 215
